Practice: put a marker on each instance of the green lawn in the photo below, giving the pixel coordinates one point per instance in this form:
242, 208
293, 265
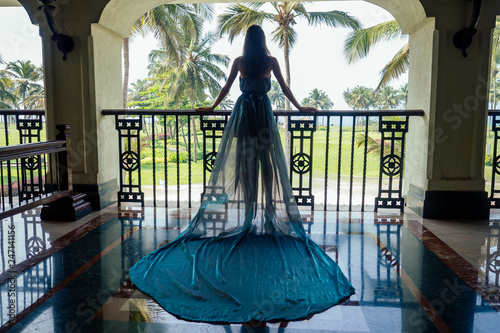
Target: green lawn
318, 164
14, 134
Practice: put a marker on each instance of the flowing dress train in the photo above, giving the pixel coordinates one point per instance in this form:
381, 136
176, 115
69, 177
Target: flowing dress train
245, 255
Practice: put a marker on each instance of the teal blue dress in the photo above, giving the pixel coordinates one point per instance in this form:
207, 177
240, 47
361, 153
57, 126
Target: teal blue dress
255, 260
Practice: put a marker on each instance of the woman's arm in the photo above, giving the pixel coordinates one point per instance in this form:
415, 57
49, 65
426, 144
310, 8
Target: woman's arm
225, 90
286, 90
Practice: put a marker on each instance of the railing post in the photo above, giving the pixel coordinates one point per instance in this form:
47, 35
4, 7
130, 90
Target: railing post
495, 169
212, 131
64, 172
130, 159
301, 161
391, 164
29, 131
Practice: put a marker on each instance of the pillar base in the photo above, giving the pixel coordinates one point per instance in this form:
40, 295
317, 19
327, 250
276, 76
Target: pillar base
448, 204
101, 195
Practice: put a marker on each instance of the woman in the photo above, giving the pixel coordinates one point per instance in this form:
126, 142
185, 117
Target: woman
245, 256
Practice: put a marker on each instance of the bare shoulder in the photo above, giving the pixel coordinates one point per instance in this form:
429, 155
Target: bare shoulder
273, 61
237, 60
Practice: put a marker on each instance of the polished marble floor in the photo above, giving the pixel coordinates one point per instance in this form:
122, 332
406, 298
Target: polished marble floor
410, 275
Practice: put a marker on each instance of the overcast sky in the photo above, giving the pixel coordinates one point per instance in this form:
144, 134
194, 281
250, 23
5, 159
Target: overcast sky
317, 59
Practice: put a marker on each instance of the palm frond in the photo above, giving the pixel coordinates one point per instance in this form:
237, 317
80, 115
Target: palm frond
279, 36
334, 18
396, 67
297, 7
237, 18
359, 42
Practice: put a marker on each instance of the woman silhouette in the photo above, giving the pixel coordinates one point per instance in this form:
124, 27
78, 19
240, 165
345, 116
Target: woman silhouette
245, 256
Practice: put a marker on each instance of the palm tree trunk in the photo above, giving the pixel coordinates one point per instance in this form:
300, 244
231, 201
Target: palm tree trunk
494, 89
184, 136
288, 138
195, 158
126, 66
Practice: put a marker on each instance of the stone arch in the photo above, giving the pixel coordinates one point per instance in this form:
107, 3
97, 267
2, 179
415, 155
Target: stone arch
120, 15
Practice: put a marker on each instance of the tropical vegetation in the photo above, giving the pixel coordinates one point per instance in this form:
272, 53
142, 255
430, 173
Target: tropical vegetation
359, 43
169, 24
283, 15
318, 99
21, 85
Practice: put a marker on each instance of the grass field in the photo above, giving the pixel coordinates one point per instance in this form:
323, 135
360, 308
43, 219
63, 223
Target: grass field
318, 164
320, 156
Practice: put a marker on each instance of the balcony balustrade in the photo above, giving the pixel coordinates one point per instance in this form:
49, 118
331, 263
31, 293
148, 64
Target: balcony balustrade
331, 161
32, 172
338, 160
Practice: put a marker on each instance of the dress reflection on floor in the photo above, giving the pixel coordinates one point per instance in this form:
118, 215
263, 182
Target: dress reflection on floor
410, 275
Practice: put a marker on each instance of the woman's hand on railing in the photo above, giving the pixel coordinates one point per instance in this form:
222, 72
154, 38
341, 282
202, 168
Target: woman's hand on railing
309, 109
204, 109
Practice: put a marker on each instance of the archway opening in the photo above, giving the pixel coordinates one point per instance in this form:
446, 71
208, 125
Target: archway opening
21, 73
117, 29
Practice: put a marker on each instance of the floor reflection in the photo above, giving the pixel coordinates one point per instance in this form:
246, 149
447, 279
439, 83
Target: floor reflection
406, 278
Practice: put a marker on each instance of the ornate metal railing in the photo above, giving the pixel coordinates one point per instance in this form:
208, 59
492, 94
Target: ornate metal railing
21, 126
493, 158
330, 163
34, 173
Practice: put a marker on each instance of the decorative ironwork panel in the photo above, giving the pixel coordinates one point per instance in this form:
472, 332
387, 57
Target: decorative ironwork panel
392, 147
132, 249
388, 268
29, 129
495, 170
301, 160
39, 278
488, 283
130, 160
217, 217
215, 222
32, 177
212, 133
31, 167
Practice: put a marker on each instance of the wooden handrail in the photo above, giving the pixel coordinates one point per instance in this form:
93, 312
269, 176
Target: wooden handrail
16, 112
64, 179
9, 153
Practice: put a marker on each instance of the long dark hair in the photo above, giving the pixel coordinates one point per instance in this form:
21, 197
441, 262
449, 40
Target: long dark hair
255, 53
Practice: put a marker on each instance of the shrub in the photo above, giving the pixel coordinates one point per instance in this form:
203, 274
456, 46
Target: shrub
488, 160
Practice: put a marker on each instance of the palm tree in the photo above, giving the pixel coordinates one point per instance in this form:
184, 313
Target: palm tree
136, 93
7, 98
318, 99
226, 104
168, 23
495, 61
192, 71
276, 96
25, 78
388, 98
404, 94
359, 98
238, 18
374, 146
359, 43
36, 98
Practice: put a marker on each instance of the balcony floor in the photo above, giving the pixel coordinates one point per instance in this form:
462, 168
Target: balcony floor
410, 275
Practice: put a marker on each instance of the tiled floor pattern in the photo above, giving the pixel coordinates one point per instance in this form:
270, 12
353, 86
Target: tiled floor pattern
410, 275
